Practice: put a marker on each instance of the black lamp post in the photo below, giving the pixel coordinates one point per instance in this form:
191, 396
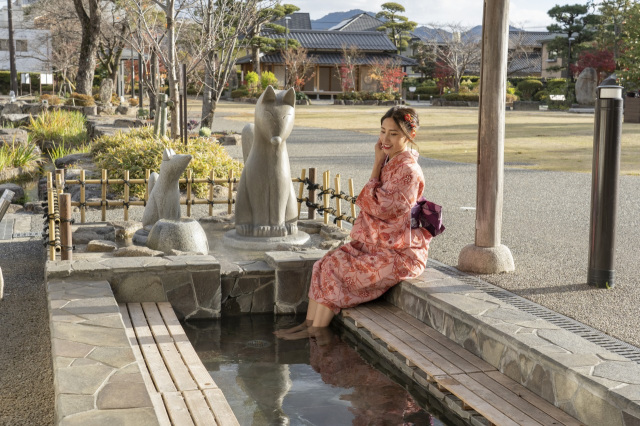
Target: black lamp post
569, 73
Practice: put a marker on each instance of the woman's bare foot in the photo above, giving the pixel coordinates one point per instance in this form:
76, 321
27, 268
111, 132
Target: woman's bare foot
302, 334
300, 327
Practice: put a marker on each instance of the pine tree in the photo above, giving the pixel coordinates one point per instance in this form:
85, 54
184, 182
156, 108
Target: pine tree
396, 26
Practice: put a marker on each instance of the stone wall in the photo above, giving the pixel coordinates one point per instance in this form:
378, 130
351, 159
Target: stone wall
190, 283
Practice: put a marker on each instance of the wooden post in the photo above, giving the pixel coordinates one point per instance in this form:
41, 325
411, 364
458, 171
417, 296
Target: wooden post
65, 227
189, 179
83, 198
103, 202
325, 186
312, 193
59, 181
338, 199
230, 193
52, 223
353, 205
211, 177
487, 255
126, 195
303, 174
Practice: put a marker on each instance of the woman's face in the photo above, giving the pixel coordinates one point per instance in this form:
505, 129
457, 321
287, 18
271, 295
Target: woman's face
392, 138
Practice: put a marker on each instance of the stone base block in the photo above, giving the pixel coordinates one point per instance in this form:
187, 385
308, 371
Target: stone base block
232, 239
185, 235
486, 260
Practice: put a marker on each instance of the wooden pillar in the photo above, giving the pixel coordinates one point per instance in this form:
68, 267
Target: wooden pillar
65, 227
487, 255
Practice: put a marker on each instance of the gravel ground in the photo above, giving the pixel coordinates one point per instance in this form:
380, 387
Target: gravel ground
26, 376
545, 224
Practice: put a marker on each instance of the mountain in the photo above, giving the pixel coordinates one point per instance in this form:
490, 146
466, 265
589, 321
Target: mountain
335, 18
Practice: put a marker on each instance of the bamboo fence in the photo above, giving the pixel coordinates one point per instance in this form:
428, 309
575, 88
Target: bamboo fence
315, 193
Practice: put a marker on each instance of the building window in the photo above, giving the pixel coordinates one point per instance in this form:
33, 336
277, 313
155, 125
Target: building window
4, 44
553, 56
21, 45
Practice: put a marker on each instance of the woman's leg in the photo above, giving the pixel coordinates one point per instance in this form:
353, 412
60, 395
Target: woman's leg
311, 312
320, 322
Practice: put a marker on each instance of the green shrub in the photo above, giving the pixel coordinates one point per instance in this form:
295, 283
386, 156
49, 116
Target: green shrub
468, 97
124, 151
205, 132
78, 99
528, 88
541, 96
301, 96
556, 86
427, 90
239, 93
268, 79
252, 79
58, 126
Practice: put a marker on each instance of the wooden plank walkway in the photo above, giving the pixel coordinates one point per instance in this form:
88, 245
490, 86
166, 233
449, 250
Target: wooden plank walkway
181, 389
451, 368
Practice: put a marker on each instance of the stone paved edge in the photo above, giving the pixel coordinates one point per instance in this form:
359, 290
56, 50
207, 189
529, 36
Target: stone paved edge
587, 381
97, 379
190, 283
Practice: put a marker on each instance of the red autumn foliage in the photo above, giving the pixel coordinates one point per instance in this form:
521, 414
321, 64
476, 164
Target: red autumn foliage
601, 60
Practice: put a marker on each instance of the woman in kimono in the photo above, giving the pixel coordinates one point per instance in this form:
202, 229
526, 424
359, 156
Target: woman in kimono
384, 249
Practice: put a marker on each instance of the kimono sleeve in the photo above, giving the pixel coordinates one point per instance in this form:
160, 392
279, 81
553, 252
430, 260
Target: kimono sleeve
392, 198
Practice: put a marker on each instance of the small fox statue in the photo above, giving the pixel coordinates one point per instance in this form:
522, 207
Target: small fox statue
266, 200
164, 191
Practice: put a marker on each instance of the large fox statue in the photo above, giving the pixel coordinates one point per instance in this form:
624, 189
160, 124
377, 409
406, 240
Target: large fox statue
266, 200
164, 191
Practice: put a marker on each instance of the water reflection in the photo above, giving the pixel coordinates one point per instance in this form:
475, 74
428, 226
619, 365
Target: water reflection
268, 381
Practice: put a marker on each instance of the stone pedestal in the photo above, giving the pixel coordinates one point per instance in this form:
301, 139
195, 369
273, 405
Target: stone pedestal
486, 260
233, 239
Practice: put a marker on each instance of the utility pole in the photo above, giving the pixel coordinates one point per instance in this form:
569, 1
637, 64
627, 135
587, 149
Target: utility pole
12, 51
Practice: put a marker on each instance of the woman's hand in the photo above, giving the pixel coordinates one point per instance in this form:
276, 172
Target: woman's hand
378, 161
380, 156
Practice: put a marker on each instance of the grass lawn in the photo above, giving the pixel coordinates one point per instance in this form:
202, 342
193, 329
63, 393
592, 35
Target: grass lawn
544, 140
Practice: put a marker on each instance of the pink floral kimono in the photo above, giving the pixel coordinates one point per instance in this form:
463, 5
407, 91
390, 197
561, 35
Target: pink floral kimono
384, 249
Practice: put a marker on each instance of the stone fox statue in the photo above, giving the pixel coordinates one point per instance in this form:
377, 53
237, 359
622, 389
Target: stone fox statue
266, 200
164, 192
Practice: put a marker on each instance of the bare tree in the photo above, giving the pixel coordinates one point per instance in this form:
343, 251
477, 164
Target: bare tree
300, 66
90, 22
347, 69
456, 47
520, 56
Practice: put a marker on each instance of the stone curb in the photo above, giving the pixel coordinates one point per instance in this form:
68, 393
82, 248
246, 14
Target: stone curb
589, 382
190, 283
97, 379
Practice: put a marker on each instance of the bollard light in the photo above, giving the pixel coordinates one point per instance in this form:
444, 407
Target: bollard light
604, 186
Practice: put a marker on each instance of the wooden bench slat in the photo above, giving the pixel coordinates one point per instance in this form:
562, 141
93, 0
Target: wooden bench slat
200, 412
177, 409
417, 336
192, 360
514, 413
417, 358
480, 405
438, 360
177, 368
533, 399
153, 359
156, 398
220, 407
438, 337
514, 398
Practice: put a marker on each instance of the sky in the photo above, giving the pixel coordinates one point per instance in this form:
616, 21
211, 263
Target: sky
530, 15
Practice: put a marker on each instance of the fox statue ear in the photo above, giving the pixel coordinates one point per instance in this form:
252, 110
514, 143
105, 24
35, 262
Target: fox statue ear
269, 95
167, 154
290, 97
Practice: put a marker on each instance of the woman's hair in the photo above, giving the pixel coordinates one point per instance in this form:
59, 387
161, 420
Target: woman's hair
406, 118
